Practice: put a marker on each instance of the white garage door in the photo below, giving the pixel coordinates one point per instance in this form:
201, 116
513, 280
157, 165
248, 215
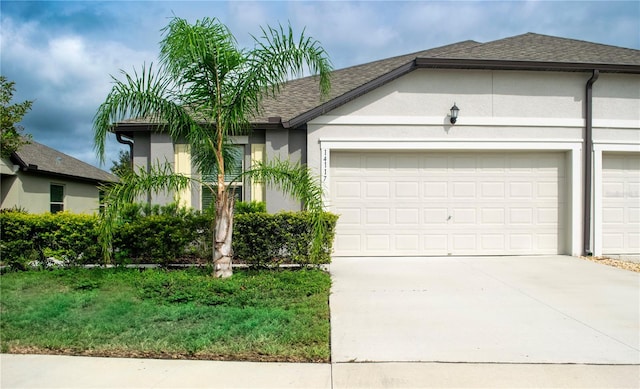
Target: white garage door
448, 203
621, 203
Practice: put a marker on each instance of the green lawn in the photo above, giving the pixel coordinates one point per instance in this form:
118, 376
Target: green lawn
262, 315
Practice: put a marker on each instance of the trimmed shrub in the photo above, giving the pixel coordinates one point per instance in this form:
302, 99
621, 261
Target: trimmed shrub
156, 238
269, 239
161, 235
65, 236
243, 207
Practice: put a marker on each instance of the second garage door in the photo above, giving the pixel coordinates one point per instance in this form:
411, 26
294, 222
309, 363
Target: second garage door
621, 203
448, 203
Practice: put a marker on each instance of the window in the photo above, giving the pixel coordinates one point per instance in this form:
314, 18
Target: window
56, 198
232, 170
101, 195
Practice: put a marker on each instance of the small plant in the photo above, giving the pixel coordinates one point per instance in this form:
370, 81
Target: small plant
243, 207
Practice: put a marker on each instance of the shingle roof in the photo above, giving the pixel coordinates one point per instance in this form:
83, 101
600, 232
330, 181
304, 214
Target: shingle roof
545, 48
300, 96
36, 157
299, 100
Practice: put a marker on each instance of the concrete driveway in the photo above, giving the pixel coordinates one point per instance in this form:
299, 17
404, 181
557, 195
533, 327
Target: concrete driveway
551, 309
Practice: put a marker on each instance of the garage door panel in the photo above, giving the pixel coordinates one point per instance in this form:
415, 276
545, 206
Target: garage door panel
522, 242
463, 243
464, 190
633, 241
377, 242
407, 242
349, 216
348, 190
492, 216
521, 216
407, 190
448, 203
380, 216
492, 190
349, 244
492, 242
548, 190
613, 215
548, 242
436, 190
436, 215
521, 190
548, 216
375, 189
376, 163
464, 216
408, 216
463, 164
620, 203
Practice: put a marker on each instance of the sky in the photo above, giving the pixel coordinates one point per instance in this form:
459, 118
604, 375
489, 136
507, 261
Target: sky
62, 54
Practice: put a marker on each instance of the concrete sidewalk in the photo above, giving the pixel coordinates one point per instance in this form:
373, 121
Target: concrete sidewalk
47, 371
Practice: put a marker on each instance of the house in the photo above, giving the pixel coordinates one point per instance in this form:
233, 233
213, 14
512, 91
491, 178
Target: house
544, 157
39, 179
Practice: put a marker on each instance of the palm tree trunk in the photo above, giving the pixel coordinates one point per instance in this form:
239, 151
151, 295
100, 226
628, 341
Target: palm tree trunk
223, 234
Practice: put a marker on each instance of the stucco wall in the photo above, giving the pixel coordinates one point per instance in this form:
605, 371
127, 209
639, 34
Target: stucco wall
494, 106
32, 192
284, 145
514, 110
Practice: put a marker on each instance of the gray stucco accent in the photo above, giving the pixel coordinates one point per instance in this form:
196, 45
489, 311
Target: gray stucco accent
277, 147
141, 150
160, 152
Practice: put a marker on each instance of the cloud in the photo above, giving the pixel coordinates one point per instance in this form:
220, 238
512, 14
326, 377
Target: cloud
67, 76
61, 54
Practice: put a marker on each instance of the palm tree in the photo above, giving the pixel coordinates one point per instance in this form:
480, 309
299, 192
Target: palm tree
206, 90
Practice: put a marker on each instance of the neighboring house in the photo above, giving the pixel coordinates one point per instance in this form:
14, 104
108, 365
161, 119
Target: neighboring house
40, 179
544, 157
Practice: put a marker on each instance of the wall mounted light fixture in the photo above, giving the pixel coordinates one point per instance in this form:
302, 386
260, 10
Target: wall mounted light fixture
454, 113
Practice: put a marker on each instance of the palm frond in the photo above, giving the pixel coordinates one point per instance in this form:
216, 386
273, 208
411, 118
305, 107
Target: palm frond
277, 57
148, 95
299, 182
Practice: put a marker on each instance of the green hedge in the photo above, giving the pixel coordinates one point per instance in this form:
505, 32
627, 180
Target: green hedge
65, 236
265, 239
161, 235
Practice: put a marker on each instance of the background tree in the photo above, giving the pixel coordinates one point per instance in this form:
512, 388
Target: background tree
207, 89
11, 137
122, 166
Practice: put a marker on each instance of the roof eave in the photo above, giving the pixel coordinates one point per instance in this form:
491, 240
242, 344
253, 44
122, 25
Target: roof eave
456, 63
459, 63
35, 170
351, 95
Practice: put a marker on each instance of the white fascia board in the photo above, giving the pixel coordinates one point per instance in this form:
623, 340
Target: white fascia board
448, 144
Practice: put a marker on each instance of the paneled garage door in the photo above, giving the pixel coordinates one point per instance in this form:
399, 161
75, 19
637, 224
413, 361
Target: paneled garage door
448, 203
621, 203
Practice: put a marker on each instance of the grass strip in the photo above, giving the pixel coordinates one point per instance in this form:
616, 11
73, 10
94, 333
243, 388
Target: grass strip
257, 315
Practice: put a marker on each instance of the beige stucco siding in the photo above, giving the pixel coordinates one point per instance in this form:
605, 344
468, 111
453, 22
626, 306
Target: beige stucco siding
481, 93
33, 194
617, 97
